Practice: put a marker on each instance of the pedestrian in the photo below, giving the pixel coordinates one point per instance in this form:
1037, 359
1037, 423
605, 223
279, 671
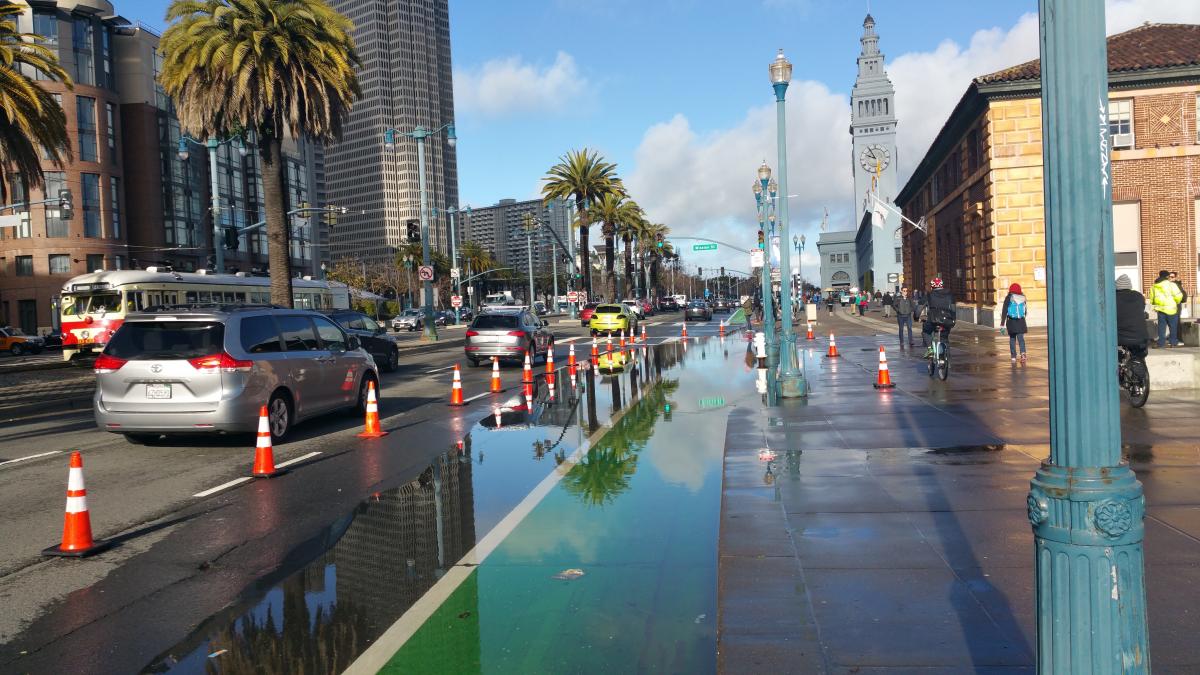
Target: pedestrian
1131, 319
1175, 278
1012, 317
829, 303
904, 315
1165, 297
863, 299
888, 303
919, 303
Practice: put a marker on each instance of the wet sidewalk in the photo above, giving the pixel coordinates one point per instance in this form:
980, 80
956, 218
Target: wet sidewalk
886, 531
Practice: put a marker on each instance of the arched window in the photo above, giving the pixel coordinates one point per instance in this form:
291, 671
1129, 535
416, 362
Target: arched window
840, 277
885, 106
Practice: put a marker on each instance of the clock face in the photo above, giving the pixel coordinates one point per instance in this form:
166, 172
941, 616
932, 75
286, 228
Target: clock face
875, 157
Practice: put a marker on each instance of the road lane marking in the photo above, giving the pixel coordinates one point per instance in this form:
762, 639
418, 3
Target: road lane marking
477, 397
222, 486
301, 458
438, 370
569, 340
22, 459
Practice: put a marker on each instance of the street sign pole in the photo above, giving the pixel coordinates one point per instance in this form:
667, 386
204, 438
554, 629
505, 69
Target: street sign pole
1085, 504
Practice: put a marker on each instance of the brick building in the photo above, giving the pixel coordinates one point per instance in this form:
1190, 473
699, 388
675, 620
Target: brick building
45, 250
979, 186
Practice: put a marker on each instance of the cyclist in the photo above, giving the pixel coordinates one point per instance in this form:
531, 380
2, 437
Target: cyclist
939, 311
1131, 319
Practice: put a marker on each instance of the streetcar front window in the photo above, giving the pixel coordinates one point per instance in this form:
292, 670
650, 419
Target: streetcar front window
91, 304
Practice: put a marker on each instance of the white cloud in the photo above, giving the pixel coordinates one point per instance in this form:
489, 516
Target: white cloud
699, 183
506, 86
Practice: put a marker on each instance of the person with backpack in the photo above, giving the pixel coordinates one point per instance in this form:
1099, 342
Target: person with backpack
1012, 316
888, 303
904, 315
940, 311
863, 299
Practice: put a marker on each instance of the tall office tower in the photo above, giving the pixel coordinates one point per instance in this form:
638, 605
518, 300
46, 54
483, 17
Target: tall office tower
406, 82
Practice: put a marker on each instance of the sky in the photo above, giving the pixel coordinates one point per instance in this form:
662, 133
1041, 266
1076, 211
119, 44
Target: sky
676, 93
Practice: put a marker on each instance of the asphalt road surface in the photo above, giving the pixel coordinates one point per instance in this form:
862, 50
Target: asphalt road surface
185, 545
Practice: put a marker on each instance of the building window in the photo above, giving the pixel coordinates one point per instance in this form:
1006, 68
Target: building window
60, 263
114, 205
95, 262
974, 150
118, 262
111, 128
91, 204
899, 255
1198, 118
106, 58
86, 110
45, 24
18, 194
55, 225
24, 265
1120, 123
85, 51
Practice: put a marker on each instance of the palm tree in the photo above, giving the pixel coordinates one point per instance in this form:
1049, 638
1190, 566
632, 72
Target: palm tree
584, 176
30, 119
614, 210
633, 229
656, 254
273, 67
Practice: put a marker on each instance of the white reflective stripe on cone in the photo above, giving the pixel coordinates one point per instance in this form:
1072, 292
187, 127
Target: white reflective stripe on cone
76, 504
264, 426
74, 479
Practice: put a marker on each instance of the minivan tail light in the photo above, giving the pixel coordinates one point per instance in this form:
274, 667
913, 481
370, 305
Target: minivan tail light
222, 362
107, 364
516, 333
472, 333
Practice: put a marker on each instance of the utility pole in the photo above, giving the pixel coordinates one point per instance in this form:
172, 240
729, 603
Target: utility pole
1085, 504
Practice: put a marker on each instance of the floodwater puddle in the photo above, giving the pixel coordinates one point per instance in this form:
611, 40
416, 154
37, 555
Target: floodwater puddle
565, 535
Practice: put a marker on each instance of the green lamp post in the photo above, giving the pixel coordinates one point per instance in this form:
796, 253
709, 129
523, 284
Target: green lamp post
792, 383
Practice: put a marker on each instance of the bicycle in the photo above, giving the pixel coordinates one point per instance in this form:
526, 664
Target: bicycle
939, 358
1133, 376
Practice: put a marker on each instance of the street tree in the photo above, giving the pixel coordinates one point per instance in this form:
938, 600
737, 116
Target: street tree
274, 68
31, 121
614, 209
584, 176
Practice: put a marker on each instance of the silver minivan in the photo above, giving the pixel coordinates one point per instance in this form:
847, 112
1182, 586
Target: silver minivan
209, 370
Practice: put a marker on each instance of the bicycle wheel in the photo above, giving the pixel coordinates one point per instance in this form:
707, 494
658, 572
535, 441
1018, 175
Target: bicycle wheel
1138, 384
943, 369
931, 365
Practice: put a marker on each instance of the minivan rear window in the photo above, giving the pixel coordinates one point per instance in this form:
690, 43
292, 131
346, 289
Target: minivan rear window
166, 340
494, 321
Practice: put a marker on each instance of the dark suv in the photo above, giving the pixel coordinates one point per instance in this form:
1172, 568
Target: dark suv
373, 336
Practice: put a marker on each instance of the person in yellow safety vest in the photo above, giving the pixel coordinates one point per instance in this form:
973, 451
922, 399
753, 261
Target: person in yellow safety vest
1165, 297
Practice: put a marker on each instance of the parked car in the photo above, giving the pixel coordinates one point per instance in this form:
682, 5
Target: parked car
636, 307
668, 304
413, 319
52, 340
185, 370
372, 335
722, 305
585, 314
17, 343
698, 310
613, 318
507, 334
539, 307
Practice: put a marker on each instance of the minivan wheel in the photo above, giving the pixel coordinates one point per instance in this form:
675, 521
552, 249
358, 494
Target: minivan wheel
393, 361
17, 349
360, 406
279, 416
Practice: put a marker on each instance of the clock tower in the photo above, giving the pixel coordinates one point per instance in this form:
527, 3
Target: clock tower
873, 130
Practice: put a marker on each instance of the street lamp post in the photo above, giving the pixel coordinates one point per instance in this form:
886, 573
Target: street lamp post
1085, 504
798, 241
214, 186
765, 192
792, 383
419, 135
450, 212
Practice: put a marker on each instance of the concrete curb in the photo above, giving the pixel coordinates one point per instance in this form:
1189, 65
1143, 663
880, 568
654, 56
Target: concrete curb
70, 403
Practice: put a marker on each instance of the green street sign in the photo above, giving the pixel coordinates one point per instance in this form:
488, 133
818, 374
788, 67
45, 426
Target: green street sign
704, 247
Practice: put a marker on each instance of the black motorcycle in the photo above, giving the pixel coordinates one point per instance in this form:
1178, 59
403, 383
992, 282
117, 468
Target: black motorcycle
1133, 376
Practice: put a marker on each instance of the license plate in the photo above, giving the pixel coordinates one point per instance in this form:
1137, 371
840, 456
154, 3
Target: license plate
159, 391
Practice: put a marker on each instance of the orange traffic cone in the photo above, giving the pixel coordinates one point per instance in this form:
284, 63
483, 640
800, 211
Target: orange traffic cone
456, 396
527, 371
721, 329
610, 345
595, 349
550, 366
643, 335
833, 352
810, 335
622, 340
77, 539
372, 429
497, 387
571, 357
264, 454
684, 329
884, 379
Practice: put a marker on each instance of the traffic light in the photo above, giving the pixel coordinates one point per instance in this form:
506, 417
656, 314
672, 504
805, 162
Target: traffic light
762, 239
722, 271
414, 230
65, 205
699, 271
231, 238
